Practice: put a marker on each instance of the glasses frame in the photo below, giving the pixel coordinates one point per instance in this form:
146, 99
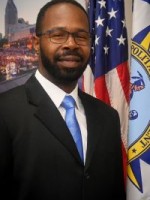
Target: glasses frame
73, 34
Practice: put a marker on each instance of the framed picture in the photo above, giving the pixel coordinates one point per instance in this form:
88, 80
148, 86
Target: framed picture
18, 60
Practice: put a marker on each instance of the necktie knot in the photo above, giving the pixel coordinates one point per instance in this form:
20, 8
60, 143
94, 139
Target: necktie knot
68, 102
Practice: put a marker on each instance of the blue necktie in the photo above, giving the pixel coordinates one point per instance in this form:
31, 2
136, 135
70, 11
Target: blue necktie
72, 123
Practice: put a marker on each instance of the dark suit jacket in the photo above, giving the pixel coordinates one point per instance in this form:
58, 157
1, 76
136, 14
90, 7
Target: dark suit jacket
38, 157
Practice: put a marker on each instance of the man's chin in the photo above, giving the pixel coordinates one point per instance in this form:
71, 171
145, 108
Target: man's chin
67, 79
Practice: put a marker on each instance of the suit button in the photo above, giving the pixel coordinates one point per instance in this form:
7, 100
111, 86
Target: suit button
87, 176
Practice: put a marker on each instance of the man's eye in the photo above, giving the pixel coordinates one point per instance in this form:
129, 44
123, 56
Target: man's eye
84, 37
58, 35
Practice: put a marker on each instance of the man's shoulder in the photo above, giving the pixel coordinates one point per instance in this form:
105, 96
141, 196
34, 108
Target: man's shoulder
91, 99
97, 108
16, 92
12, 93
12, 101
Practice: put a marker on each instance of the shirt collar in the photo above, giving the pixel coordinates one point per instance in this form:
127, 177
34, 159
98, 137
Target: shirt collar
55, 93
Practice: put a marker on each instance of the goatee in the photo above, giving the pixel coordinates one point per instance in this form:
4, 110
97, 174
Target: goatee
63, 75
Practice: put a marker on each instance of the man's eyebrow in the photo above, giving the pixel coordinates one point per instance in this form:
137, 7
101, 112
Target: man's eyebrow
65, 29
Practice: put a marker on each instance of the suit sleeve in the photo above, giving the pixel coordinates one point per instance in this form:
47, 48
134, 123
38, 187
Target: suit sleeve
119, 159
6, 170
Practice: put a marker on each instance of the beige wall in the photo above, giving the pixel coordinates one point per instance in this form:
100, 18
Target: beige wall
128, 14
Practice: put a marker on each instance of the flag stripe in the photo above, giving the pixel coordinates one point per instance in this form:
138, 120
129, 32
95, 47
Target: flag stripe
101, 89
123, 73
118, 101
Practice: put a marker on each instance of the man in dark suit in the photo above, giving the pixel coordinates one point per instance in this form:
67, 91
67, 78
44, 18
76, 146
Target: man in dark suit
39, 159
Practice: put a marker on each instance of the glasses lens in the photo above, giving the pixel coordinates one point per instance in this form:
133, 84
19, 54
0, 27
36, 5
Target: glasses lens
82, 38
58, 36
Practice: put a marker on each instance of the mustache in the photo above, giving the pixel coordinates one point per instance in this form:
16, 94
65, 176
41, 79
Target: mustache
69, 53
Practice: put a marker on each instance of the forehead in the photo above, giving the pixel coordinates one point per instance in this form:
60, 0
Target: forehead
65, 15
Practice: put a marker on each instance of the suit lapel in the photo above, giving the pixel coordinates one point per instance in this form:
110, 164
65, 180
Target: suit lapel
54, 122
49, 115
94, 127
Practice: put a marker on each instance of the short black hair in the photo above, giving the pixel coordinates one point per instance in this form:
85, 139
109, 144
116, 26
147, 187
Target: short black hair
42, 11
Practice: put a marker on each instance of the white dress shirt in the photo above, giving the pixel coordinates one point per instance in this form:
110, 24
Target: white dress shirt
57, 95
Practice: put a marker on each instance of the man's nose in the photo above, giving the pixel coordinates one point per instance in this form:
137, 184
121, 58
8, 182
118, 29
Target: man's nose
71, 42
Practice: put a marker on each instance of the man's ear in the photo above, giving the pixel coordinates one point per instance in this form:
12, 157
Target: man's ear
36, 45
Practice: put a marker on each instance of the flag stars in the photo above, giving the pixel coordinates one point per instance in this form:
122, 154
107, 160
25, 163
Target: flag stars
124, 23
112, 13
108, 31
92, 50
121, 40
99, 21
134, 150
102, 3
96, 40
106, 49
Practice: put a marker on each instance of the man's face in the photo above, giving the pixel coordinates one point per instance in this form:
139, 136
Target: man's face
63, 63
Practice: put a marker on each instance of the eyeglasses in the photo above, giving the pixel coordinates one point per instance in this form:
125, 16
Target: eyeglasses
56, 36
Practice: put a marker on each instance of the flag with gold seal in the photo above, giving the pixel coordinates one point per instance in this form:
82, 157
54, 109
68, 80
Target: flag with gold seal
138, 186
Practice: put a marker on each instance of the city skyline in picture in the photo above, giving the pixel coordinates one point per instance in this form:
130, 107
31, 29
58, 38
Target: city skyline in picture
26, 9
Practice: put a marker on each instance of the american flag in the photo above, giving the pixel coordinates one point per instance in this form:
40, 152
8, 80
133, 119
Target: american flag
107, 75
